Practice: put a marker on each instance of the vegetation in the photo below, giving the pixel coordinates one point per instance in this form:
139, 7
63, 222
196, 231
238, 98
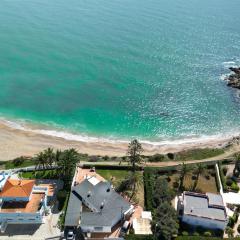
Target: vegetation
229, 231
19, 162
46, 174
222, 177
148, 178
229, 183
183, 172
198, 154
157, 158
199, 170
61, 219
114, 176
158, 197
61, 197
130, 184
165, 222
236, 170
134, 154
162, 193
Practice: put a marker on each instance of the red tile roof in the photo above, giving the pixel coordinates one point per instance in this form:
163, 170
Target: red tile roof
17, 188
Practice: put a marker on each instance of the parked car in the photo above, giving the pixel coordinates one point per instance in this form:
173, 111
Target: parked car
70, 235
124, 228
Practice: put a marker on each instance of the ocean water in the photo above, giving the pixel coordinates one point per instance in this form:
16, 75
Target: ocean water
121, 68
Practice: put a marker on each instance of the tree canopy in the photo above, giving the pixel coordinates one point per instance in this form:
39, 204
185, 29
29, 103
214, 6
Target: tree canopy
165, 224
134, 152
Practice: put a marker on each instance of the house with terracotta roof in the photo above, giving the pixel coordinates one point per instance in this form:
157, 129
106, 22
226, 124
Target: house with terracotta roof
23, 202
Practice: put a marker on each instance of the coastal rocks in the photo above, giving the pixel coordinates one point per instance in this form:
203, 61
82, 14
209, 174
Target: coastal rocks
234, 78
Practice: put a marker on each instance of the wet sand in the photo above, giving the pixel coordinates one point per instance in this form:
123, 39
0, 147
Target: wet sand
18, 142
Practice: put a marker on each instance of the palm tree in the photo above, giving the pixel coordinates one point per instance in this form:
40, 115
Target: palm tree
40, 161
184, 171
134, 152
58, 156
200, 169
67, 163
50, 156
236, 170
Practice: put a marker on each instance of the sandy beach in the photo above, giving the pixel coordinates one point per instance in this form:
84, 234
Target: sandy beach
20, 142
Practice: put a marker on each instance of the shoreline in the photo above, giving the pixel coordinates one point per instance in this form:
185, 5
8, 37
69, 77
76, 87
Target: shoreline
15, 142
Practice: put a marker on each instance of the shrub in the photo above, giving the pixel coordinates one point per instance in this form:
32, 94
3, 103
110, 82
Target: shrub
225, 169
175, 184
195, 234
185, 233
18, 161
229, 231
222, 177
235, 216
229, 182
238, 228
171, 156
93, 158
234, 187
105, 158
156, 158
61, 196
231, 222
207, 234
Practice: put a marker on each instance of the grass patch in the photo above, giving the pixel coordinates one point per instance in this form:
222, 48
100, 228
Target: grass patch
206, 182
47, 174
25, 163
115, 176
198, 154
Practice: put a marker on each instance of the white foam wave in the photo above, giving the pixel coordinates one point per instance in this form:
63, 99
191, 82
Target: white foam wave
186, 140
232, 63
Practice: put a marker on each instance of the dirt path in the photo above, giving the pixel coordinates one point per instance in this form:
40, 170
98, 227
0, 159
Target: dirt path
229, 153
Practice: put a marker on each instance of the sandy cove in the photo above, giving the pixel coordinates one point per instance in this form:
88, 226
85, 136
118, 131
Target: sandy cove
15, 143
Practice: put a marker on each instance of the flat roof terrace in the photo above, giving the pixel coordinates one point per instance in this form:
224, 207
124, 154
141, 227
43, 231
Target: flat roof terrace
82, 174
26, 207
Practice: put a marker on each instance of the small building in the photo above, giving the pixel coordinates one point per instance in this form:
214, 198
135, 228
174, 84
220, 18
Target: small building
142, 225
22, 202
96, 208
206, 210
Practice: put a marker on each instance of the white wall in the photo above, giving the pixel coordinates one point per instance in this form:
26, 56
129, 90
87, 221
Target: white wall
21, 218
204, 222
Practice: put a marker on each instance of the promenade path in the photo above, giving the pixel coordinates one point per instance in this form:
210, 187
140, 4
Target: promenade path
227, 155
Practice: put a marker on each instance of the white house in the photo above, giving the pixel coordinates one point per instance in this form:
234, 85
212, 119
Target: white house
206, 210
22, 202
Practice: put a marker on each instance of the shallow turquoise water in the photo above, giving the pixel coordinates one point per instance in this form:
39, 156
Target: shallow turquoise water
120, 68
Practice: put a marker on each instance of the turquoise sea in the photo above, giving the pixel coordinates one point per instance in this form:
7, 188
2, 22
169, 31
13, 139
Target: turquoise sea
121, 68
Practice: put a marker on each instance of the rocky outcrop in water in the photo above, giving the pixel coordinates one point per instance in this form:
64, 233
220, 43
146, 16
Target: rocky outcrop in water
234, 78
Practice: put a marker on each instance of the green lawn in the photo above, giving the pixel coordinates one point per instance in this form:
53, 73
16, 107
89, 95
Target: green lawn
47, 174
115, 176
26, 163
198, 154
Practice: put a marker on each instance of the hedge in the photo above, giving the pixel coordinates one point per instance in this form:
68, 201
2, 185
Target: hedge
222, 177
110, 167
148, 189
